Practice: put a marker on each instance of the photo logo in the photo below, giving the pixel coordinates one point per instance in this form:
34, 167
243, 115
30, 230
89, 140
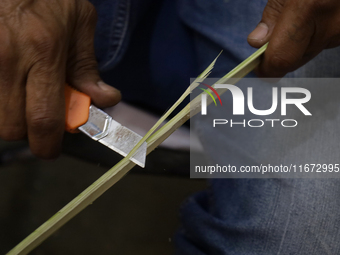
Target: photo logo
213, 90
239, 102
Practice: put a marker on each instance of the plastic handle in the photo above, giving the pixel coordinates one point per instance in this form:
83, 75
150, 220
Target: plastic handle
77, 109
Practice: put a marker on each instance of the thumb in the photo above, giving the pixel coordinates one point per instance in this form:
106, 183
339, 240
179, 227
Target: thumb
82, 67
261, 34
85, 78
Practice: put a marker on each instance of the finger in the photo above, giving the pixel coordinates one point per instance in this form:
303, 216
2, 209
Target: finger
82, 70
289, 42
12, 95
12, 109
261, 34
45, 107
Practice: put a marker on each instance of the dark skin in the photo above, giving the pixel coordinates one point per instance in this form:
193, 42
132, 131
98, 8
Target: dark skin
298, 30
45, 43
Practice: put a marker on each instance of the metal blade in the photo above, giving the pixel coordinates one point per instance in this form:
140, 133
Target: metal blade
123, 140
102, 128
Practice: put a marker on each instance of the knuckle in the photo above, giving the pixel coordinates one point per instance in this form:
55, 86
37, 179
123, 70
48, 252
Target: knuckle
43, 39
83, 67
44, 123
43, 43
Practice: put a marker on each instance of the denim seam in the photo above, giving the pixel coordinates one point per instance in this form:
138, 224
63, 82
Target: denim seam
288, 220
271, 220
118, 32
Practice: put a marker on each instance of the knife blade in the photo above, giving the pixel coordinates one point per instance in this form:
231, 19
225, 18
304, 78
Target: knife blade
98, 125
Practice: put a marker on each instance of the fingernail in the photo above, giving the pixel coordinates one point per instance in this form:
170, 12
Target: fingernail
259, 32
103, 85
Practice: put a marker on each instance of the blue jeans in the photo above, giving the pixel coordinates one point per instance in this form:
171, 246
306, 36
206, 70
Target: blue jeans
233, 216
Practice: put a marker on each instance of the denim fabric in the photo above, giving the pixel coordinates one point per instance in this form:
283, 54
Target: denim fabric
262, 216
221, 24
240, 216
268, 216
116, 22
111, 32
161, 58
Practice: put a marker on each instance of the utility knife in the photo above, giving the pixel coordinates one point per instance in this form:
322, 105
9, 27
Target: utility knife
82, 116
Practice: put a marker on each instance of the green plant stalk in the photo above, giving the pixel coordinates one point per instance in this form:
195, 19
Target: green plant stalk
194, 106
123, 167
203, 75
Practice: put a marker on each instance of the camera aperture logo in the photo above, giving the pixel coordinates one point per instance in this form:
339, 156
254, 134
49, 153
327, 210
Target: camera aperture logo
239, 105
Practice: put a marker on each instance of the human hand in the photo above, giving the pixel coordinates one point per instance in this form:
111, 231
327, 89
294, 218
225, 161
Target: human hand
297, 31
43, 45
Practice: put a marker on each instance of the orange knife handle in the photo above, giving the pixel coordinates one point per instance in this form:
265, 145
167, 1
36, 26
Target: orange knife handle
77, 109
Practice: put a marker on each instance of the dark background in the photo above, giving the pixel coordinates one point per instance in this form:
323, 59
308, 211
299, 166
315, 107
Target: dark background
138, 215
